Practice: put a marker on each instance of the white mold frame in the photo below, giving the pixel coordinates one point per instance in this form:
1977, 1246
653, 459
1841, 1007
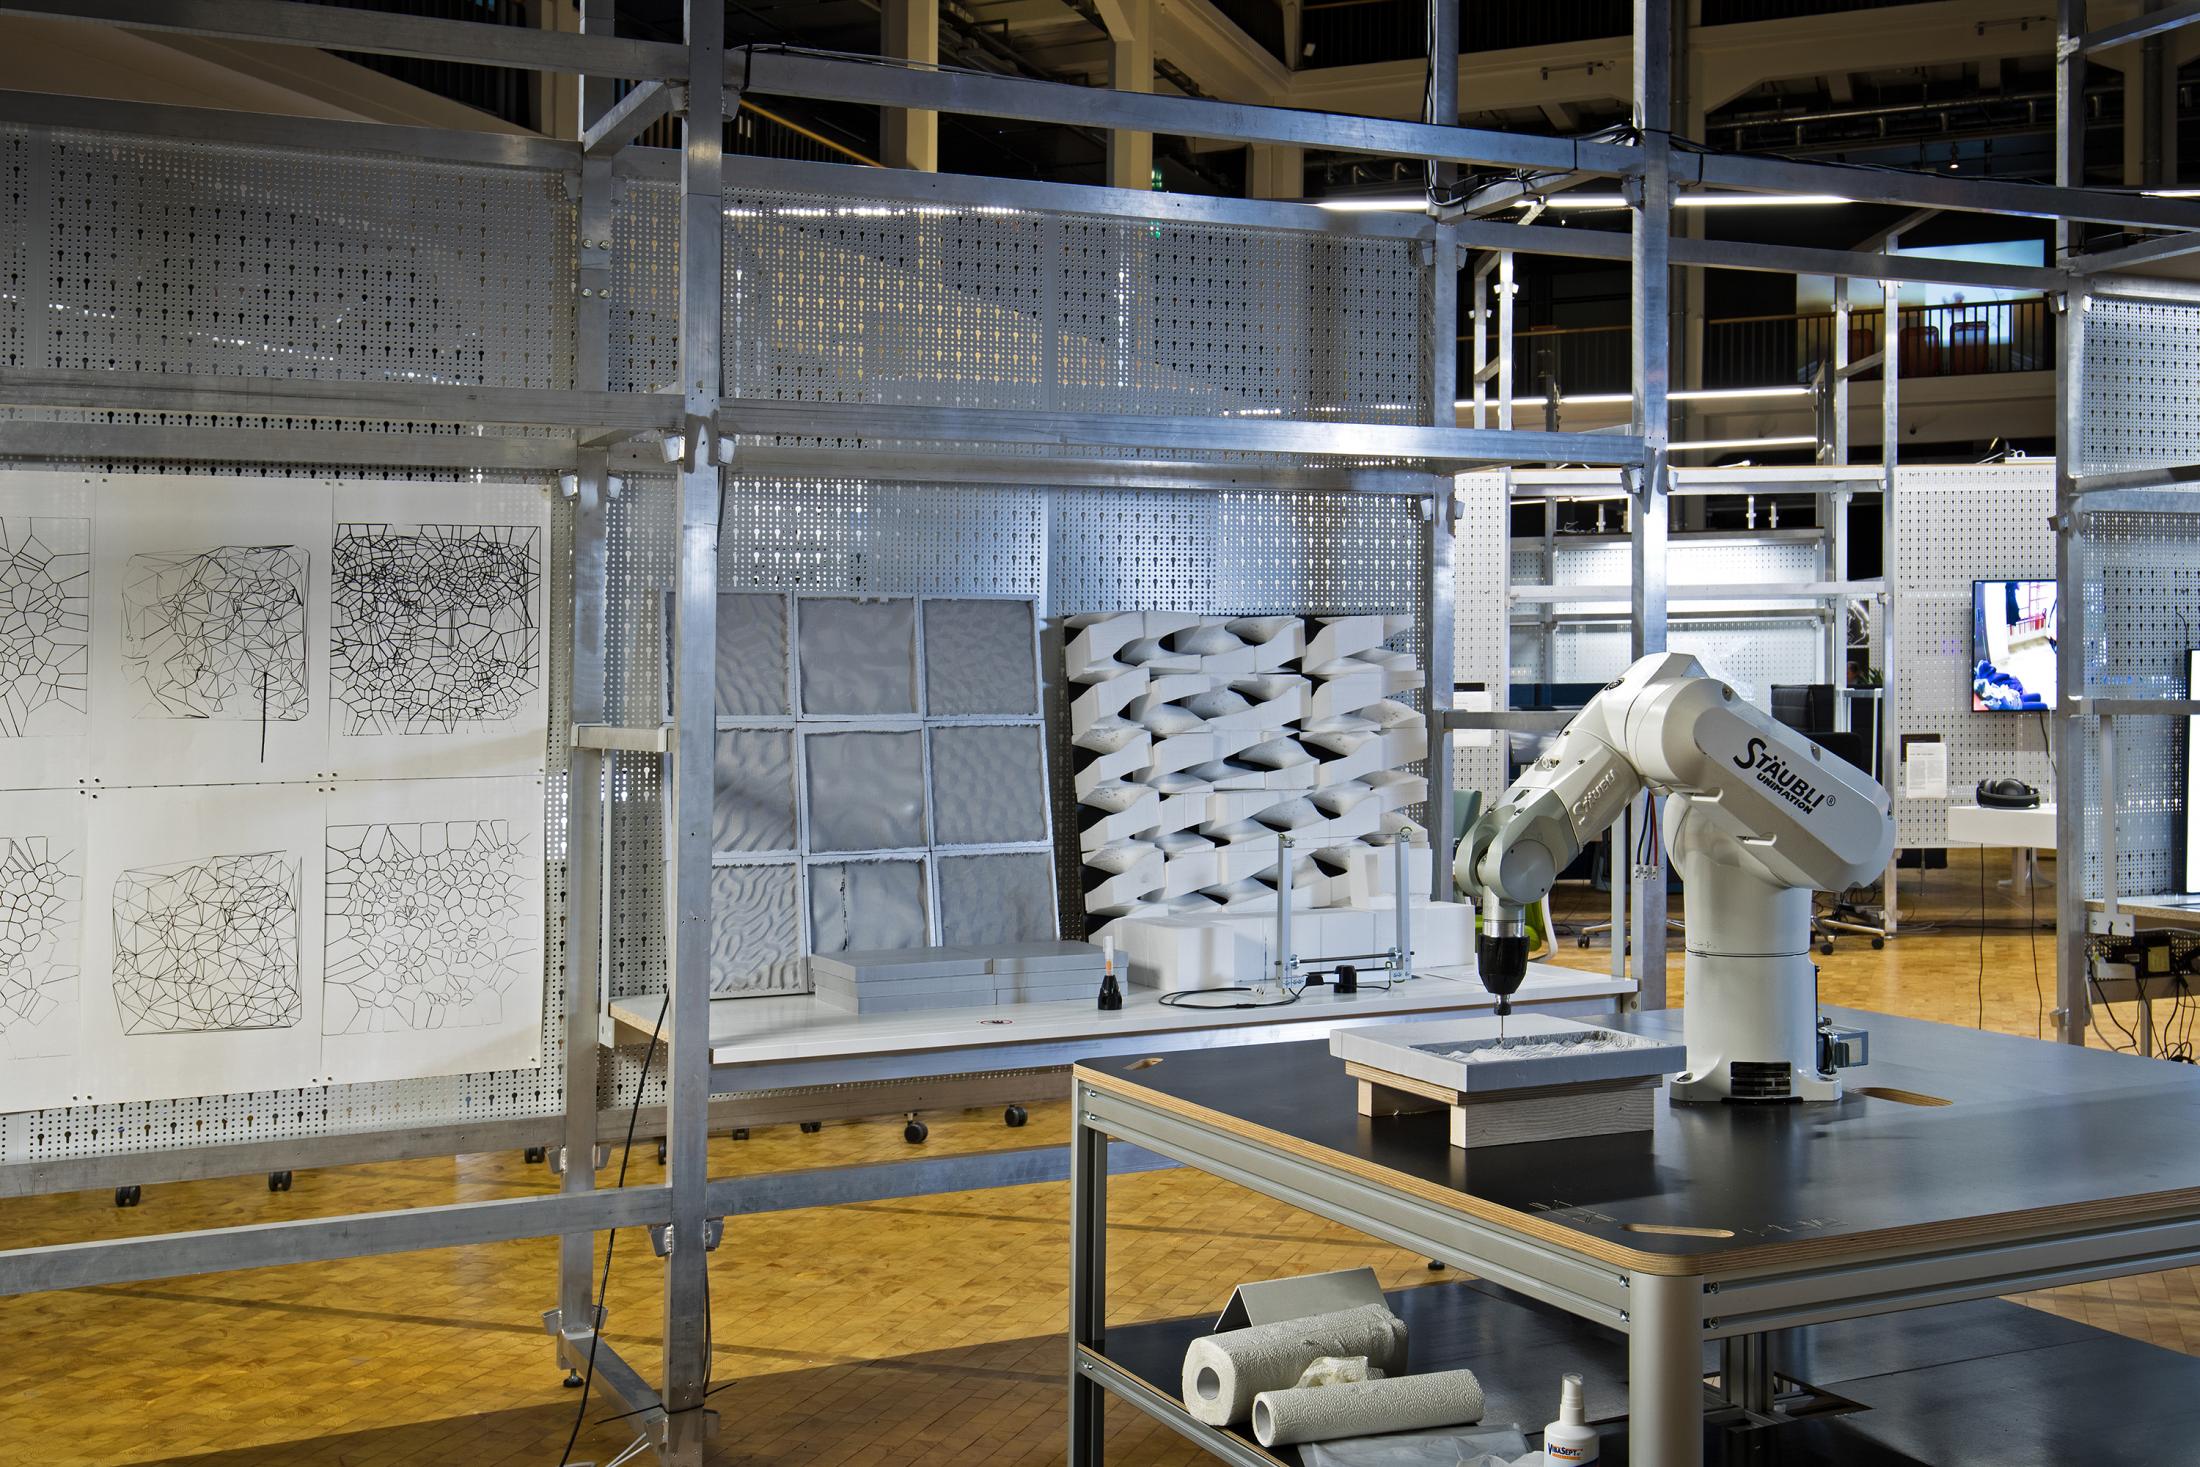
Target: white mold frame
804, 728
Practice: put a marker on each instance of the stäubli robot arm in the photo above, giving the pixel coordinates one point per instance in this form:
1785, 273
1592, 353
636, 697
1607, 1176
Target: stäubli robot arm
1758, 818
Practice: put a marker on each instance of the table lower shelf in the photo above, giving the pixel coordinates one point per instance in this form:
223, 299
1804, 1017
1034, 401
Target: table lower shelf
1983, 1384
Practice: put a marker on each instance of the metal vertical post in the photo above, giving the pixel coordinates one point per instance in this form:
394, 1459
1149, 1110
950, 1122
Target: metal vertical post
1088, 1277
1479, 378
694, 664
2072, 1004
1650, 302
1440, 585
1505, 291
1836, 510
1443, 87
1841, 371
1664, 1366
586, 836
1890, 455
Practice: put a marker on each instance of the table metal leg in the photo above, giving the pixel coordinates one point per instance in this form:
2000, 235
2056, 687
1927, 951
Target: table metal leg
1088, 1278
1665, 1406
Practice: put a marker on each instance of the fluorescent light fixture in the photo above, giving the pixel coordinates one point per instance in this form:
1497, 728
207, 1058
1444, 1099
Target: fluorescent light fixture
1373, 206
1802, 440
2173, 193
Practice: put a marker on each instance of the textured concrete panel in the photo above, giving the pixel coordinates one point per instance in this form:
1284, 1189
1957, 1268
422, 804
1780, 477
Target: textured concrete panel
979, 659
756, 933
866, 790
1003, 898
754, 804
752, 655
989, 785
858, 656
863, 905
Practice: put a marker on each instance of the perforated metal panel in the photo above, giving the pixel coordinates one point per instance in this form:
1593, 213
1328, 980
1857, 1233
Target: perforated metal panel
1954, 526
1479, 652
2142, 359
852, 300
1752, 652
2143, 616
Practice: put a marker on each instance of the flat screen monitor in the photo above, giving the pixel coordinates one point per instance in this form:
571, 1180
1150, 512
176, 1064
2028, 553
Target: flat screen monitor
2013, 635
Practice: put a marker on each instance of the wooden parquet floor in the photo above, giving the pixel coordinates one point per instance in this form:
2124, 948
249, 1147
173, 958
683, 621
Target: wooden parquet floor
922, 1331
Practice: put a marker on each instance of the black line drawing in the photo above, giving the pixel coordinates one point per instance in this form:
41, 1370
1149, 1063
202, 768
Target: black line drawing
40, 909
429, 926
434, 630
218, 633
208, 946
45, 624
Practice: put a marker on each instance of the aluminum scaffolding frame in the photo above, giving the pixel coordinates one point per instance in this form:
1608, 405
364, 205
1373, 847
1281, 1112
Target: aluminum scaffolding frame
594, 427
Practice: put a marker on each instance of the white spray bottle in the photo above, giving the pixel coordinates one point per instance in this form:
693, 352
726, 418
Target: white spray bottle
1570, 1438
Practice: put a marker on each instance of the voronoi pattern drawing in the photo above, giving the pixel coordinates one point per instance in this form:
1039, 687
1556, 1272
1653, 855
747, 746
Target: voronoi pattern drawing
208, 946
39, 911
429, 926
45, 624
436, 630
218, 633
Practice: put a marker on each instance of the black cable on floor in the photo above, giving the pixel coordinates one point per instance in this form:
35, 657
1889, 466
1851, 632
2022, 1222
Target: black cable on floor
2039, 994
603, 1286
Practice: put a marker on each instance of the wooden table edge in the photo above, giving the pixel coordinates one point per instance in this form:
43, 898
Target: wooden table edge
1759, 1258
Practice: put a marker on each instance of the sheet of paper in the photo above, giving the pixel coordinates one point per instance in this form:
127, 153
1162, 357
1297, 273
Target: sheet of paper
42, 915
1473, 700
433, 901
202, 941
209, 633
45, 629
1924, 769
438, 643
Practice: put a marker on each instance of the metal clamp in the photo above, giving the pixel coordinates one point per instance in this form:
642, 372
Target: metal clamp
661, 1236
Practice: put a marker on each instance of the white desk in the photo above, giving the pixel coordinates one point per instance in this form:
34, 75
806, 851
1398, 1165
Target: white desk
2022, 831
797, 1042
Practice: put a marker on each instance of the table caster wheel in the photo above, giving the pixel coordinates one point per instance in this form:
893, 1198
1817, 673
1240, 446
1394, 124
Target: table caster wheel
740, 1133
128, 1196
1826, 948
573, 1380
1582, 940
1434, 1266
1878, 943
811, 1128
660, 1152
915, 1132
278, 1181
536, 1155
1016, 1115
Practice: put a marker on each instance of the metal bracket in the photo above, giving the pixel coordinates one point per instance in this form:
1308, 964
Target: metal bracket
599, 1158
714, 1232
553, 1323
619, 738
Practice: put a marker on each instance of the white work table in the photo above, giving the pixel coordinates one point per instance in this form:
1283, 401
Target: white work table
2021, 831
792, 1042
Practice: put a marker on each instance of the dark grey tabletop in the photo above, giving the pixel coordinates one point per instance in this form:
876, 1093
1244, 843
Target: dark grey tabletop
2036, 1137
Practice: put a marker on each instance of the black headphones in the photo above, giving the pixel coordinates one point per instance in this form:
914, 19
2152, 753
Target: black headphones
2007, 794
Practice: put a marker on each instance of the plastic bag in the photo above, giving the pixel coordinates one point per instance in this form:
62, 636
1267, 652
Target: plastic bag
1332, 1370
1451, 1446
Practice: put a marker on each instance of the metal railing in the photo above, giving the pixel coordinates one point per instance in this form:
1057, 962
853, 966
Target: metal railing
1764, 351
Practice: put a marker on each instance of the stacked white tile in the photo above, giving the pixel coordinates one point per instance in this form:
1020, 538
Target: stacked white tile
1202, 739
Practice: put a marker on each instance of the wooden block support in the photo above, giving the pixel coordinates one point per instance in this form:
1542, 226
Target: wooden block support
1516, 1116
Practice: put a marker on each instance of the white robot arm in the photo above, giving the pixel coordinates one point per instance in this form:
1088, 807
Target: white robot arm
1758, 818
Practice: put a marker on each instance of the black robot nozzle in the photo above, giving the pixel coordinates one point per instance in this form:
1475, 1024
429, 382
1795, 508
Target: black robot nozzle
1504, 964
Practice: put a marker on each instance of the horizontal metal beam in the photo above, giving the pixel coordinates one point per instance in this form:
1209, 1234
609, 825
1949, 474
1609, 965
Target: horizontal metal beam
1727, 254
866, 80
862, 189
378, 33
1506, 720
256, 1158
2140, 27
654, 739
154, 441
1761, 591
1540, 239
1752, 174
2138, 707
954, 466
2145, 252
632, 115
312, 397
255, 129
1858, 366
2090, 486
320, 1239
835, 1186
886, 422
